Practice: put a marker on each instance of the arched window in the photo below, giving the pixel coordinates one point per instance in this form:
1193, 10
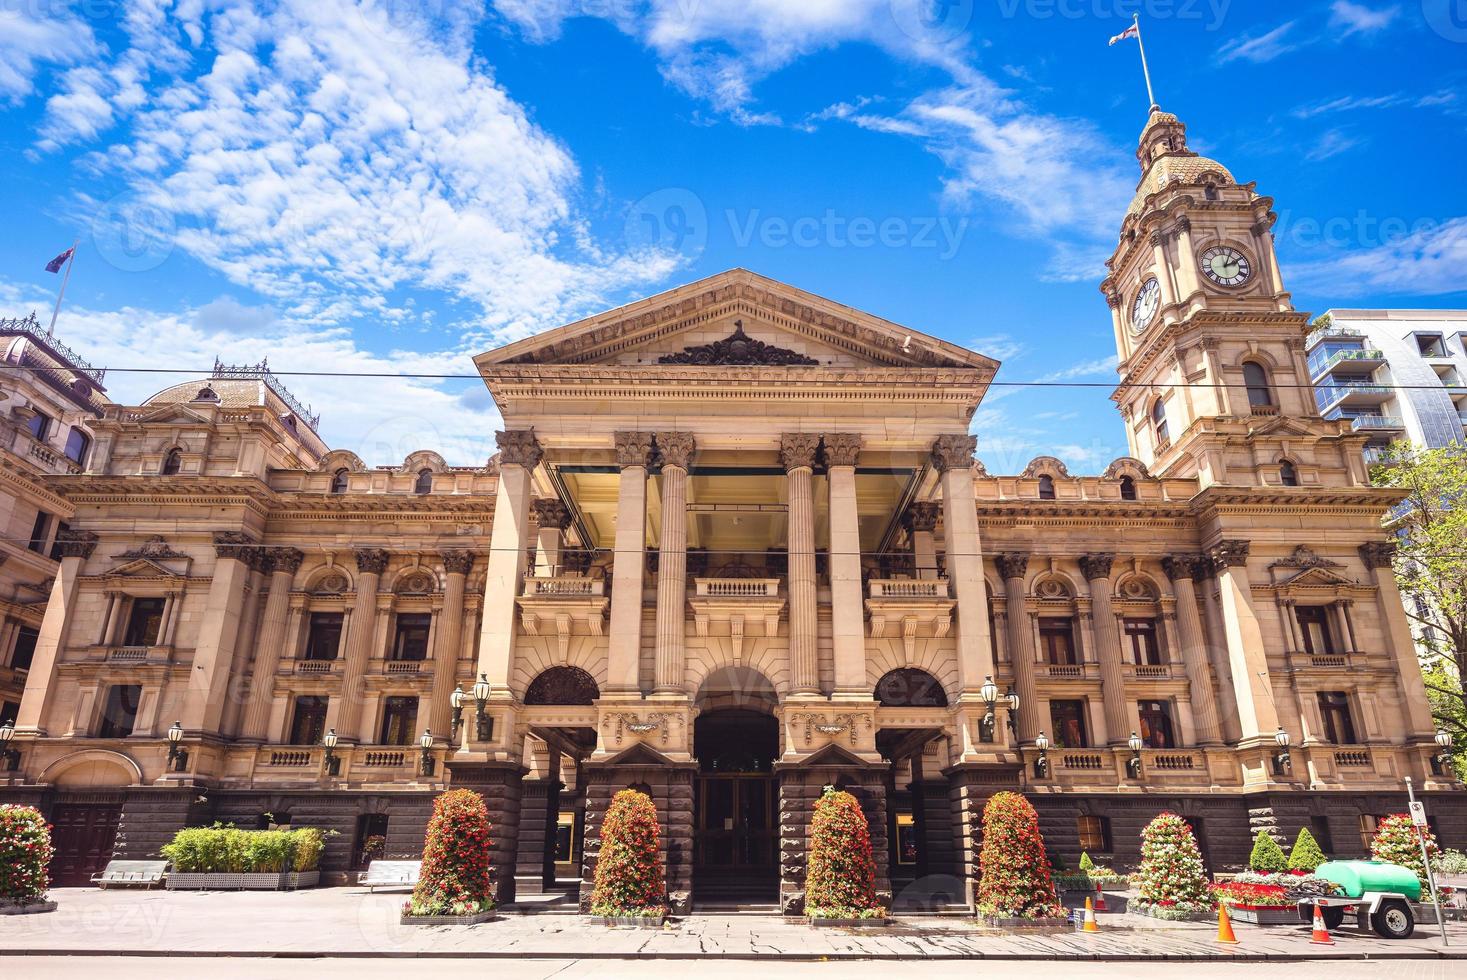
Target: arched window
1256, 380
1046, 488
1158, 422
424, 483
172, 463
77, 445
1288, 476
562, 685
1209, 192
908, 687
1128, 488
338, 481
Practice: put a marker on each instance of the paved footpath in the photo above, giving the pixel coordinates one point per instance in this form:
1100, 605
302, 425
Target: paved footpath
348, 922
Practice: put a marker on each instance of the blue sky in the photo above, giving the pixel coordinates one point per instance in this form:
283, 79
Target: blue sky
395, 186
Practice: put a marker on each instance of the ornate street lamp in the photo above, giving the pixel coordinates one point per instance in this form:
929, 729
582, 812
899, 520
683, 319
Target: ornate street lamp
1283, 763
333, 761
989, 693
1041, 764
481, 695
177, 754
10, 755
457, 699
1442, 761
426, 743
1133, 764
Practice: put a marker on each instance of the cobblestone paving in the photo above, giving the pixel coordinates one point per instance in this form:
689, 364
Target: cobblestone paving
350, 922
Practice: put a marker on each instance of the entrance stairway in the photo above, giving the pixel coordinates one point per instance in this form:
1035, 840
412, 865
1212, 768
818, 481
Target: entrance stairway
753, 894
531, 897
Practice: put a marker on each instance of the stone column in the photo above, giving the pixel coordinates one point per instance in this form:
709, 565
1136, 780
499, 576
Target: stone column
1012, 566
553, 517
509, 537
244, 647
676, 449
797, 453
1096, 569
361, 635
282, 564
1163, 272
847, 606
203, 707
1217, 651
449, 640
1182, 570
629, 560
75, 547
1377, 557
952, 457
1186, 268
1257, 715
920, 521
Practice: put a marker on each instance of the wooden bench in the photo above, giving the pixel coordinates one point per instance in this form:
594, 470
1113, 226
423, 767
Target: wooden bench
144, 873
391, 874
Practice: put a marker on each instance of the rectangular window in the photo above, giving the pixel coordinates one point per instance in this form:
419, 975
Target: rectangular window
324, 638
9, 711
120, 712
1430, 345
1057, 638
1141, 641
399, 721
308, 721
40, 426
371, 840
1314, 625
25, 648
61, 526
411, 642
1334, 712
1156, 724
1319, 827
1067, 721
906, 831
144, 622
38, 532
1094, 834
1369, 823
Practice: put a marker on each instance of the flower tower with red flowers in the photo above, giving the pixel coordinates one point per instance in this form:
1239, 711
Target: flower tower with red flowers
1171, 880
1014, 880
840, 875
1398, 841
629, 880
456, 877
25, 852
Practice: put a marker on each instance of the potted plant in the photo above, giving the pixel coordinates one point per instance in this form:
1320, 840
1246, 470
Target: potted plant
840, 877
1260, 904
25, 852
456, 883
1015, 887
223, 857
1267, 857
629, 887
1306, 855
1171, 881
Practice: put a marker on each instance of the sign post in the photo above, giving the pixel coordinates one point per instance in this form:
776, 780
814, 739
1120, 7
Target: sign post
1418, 820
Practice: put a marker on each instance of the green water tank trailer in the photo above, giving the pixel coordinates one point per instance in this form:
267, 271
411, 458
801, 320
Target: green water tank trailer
1359, 877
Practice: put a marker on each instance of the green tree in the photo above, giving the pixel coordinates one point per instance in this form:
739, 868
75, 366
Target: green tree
1431, 569
1306, 855
1267, 856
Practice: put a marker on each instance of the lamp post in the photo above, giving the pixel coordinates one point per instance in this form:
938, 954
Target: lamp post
989, 693
481, 695
426, 744
1283, 763
1041, 764
333, 761
10, 755
457, 699
177, 754
1133, 764
1441, 763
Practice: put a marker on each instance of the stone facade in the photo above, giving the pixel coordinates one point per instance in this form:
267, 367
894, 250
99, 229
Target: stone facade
734, 547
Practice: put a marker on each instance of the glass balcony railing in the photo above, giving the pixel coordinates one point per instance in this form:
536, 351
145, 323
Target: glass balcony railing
1375, 423
1322, 362
1333, 393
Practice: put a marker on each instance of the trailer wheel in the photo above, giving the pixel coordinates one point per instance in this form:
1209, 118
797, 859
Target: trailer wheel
1334, 917
1393, 920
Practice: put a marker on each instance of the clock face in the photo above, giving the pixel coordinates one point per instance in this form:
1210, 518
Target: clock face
1143, 311
1226, 266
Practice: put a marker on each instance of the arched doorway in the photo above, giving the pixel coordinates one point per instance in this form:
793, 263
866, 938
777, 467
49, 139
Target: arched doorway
736, 796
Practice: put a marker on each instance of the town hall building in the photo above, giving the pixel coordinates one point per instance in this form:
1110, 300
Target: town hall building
734, 545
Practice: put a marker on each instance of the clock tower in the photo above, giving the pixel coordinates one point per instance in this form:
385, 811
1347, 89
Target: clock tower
1214, 383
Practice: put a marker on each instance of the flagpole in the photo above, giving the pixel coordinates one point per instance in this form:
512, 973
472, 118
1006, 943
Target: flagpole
51, 330
1136, 19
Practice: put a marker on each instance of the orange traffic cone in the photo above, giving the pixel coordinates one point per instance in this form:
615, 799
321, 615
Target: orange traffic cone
1089, 925
1320, 934
1225, 925
1100, 900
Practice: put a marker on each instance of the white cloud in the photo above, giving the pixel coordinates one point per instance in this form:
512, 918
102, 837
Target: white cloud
1259, 48
1426, 262
29, 40
1356, 18
1331, 144
1097, 367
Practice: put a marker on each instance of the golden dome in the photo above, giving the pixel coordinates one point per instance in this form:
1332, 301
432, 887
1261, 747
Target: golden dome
1165, 159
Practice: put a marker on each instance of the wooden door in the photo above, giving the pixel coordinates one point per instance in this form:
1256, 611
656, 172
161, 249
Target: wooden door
83, 835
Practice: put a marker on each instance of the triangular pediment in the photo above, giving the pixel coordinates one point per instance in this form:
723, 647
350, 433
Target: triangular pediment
1316, 577
831, 756
736, 318
173, 415
639, 755
1282, 425
144, 568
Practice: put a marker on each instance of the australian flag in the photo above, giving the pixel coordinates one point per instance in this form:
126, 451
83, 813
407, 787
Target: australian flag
55, 264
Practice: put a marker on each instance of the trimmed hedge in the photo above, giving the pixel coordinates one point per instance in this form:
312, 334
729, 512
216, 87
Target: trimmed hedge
25, 851
225, 849
1267, 856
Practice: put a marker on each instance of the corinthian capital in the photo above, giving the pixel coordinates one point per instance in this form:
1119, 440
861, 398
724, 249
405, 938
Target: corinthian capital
373, 561
842, 448
676, 448
922, 515
953, 452
1096, 566
458, 562
1232, 553
283, 560
797, 449
1178, 567
71, 543
633, 448
550, 512
1012, 564
1378, 554
519, 447
234, 544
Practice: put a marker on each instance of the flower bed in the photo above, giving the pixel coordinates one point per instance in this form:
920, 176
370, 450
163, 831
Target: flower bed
222, 858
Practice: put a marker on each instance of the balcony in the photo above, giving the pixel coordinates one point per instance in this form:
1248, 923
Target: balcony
1072, 672
1169, 760
908, 588
729, 588
572, 586
407, 667
1377, 423
1080, 760
563, 605
1148, 672
138, 656
1324, 362
1319, 336
309, 668
1339, 394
